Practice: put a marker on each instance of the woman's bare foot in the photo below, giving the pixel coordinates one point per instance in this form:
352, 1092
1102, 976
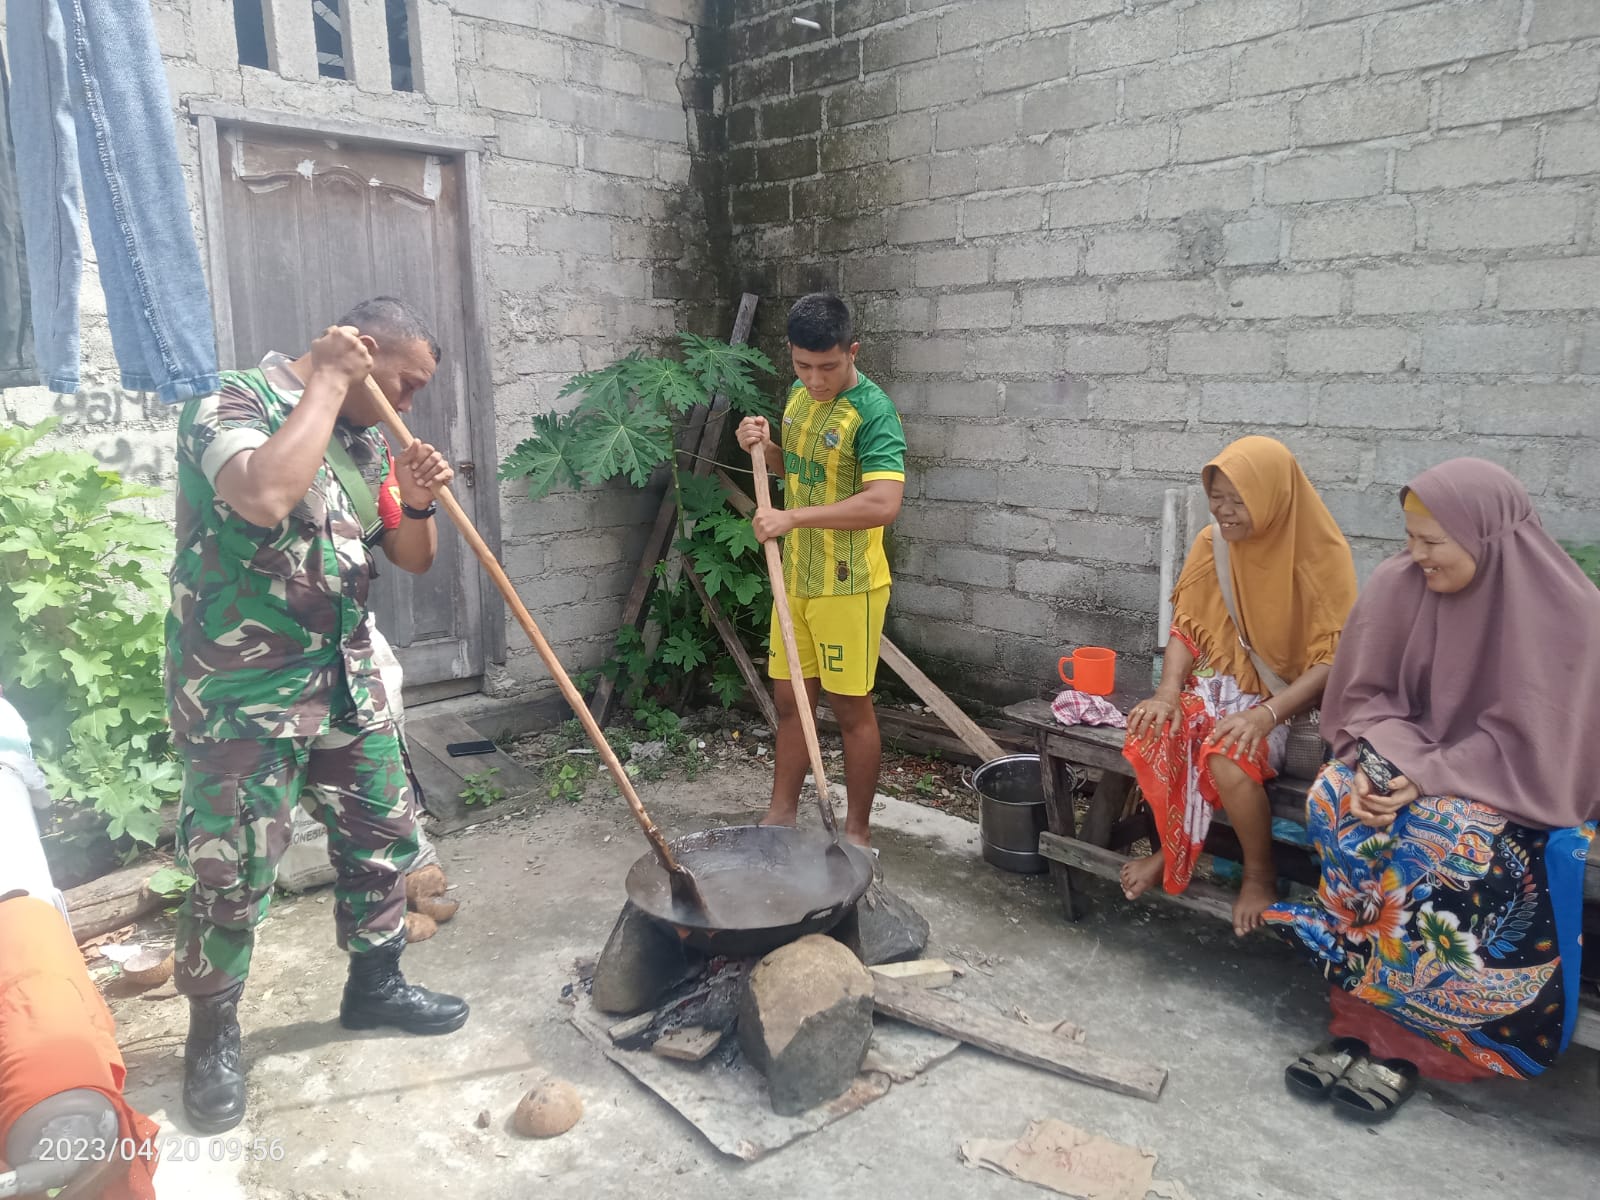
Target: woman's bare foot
1257, 893
1139, 876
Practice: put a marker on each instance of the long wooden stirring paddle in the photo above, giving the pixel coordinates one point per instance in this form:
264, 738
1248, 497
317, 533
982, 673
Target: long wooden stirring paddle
685, 887
791, 650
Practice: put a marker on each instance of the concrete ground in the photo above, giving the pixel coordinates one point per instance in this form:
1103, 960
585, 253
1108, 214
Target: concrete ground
387, 1117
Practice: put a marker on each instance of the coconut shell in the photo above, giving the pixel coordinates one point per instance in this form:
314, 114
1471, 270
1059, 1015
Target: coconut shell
148, 968
425, 884
419, 928
548, 1111
441, 908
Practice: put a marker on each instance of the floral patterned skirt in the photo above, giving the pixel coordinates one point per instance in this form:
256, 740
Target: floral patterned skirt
1456, 922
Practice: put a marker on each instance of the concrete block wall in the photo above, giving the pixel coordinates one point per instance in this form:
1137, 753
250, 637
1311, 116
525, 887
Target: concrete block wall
1090, 242
595, 117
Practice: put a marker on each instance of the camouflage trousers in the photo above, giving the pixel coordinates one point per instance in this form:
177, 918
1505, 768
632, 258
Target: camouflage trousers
234, 825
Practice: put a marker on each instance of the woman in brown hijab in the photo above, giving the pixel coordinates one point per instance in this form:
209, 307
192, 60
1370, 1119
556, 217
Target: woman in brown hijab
1454, 825
1214, 732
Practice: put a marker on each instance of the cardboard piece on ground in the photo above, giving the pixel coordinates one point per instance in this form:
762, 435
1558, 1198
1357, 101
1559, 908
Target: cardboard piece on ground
730, 1106
1026, 1044
1073, 1162
442, 777
922, 972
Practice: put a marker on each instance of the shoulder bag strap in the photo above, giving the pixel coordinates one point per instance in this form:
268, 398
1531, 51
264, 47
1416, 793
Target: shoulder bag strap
355, 487
1219, 557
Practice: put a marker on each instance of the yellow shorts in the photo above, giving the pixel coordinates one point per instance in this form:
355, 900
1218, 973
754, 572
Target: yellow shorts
837, 637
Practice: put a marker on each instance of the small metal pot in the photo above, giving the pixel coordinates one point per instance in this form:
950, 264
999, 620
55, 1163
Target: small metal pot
1011, 812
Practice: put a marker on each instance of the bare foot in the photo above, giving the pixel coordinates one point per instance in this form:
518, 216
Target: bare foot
858, 837
775, 817
1139, 876
1257, 893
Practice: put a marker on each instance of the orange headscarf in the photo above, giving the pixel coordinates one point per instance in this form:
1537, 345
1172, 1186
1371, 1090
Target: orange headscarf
1294, 581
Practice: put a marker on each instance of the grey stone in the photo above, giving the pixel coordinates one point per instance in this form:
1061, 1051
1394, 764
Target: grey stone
805, 1021
883, 927
641, 960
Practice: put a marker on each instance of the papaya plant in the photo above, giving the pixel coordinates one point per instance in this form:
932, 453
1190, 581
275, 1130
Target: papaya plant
627, 420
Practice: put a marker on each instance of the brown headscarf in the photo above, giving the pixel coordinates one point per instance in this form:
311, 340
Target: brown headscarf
1293, 578
1492, 692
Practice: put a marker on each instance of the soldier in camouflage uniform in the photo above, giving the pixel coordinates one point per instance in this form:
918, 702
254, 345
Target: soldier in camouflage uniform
272, 687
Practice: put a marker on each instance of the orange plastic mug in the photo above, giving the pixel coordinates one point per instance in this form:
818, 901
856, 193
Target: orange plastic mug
1094, 670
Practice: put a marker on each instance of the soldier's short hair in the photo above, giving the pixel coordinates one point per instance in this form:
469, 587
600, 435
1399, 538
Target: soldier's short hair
388, 318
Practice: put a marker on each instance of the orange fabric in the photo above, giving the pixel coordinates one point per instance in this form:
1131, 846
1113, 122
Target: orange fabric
1412, 503
1161, 765
56, 1033
1294, 580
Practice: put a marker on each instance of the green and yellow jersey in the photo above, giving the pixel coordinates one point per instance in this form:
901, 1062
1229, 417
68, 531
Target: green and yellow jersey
829, 452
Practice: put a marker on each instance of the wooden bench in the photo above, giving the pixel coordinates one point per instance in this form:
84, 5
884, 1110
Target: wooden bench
1098, 846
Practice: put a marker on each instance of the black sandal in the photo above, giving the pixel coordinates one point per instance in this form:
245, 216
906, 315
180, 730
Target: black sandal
1315, 1072
1372, 1089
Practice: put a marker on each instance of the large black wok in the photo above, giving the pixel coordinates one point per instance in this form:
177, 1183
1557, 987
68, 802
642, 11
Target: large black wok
763, 886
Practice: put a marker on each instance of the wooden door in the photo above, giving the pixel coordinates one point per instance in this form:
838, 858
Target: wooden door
310, 226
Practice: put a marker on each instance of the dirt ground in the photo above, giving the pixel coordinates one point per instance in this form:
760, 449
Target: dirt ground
375, 1116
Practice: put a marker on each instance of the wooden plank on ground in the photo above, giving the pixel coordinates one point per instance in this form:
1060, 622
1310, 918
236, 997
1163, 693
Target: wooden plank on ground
1588, 1031
704, 427
1200, 896
442, 776
1028, 1044
689, 1044
963, 726
113, 900
922, 972
735, 648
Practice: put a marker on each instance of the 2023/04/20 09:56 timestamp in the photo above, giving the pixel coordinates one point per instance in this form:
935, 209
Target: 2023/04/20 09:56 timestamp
168, 1148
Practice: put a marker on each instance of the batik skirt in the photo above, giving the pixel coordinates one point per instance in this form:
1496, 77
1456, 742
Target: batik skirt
1460, 925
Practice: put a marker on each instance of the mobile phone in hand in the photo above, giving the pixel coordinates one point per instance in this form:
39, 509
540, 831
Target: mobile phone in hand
1380, 772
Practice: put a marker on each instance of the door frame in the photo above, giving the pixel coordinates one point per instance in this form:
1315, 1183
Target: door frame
213, 118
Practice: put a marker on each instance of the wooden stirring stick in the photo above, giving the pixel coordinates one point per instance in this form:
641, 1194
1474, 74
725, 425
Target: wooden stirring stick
685, 887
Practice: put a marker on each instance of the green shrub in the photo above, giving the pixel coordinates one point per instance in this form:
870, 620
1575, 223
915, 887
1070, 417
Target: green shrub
83, 593
628, 418
1587, 558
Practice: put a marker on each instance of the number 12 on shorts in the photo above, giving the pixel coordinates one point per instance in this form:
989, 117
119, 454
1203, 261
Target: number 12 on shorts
832, 657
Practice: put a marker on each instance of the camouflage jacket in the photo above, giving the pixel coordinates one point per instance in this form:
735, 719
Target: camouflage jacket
268, 627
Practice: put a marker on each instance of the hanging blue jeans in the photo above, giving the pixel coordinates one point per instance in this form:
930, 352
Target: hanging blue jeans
93, 122
16, 324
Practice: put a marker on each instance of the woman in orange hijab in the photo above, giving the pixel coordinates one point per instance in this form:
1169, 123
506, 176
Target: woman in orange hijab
1215, 731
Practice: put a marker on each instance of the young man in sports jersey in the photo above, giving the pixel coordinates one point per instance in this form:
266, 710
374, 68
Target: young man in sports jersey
842, 460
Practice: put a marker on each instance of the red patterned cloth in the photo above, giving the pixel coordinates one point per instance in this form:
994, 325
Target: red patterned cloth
1174, 775
1079, 708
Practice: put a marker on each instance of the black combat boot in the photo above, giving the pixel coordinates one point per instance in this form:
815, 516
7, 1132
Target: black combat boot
213, 1068
377, 995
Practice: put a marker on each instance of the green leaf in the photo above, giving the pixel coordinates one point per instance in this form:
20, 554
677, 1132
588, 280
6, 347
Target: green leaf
35, 595
701, 495
663, 383
169, 882
748, 586
736, 533
548, 458
683, 650
607, 386
624, 441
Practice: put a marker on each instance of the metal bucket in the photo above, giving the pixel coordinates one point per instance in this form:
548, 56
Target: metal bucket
1011, 812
